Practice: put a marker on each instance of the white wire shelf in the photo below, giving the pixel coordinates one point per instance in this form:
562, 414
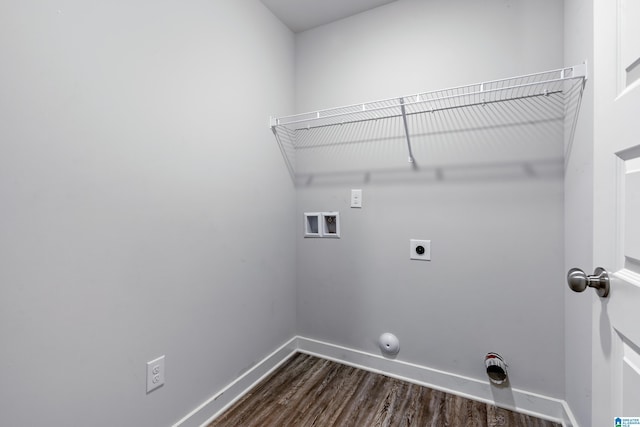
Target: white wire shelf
544, 95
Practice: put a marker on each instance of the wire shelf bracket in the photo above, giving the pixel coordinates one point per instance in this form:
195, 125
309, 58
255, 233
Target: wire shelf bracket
406, 129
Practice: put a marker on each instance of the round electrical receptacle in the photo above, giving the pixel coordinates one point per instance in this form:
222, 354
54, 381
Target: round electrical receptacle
420, 250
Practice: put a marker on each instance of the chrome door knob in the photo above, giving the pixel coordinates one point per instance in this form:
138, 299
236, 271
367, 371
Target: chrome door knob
578, 281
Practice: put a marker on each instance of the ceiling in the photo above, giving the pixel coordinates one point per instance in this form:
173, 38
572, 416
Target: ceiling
301, 15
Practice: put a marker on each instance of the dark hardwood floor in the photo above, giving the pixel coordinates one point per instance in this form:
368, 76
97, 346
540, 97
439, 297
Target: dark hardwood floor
308, 391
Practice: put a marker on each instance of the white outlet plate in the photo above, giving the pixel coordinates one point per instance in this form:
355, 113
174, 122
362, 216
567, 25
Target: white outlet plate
414, 244
356, 198
155, 373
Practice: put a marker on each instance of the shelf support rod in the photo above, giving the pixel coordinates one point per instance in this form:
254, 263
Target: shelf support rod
406, 129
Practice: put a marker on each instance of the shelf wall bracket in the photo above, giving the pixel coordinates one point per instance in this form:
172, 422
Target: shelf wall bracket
406, 130
283, 150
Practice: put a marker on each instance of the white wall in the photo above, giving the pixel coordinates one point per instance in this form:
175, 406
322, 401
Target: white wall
146, 209
496, 279
579, 217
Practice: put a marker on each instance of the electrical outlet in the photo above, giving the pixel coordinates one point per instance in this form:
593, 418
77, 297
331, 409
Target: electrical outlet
356, 198
420, 249
155, 373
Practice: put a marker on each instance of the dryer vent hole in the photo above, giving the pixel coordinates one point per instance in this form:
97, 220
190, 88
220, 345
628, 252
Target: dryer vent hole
496, 368
496, 373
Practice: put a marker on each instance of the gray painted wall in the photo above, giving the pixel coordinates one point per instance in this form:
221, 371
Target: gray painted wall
496, 279
145, 209
579, 217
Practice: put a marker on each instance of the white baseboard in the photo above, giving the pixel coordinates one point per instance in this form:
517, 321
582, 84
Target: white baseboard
518, 400
569, 419
219, 402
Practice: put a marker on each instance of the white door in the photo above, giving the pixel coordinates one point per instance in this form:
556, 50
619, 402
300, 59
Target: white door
616, 319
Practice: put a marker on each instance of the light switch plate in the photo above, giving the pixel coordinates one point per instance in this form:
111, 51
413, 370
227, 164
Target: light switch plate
420, 249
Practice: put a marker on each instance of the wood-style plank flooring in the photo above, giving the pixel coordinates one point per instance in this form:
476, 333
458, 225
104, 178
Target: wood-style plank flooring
308, 391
